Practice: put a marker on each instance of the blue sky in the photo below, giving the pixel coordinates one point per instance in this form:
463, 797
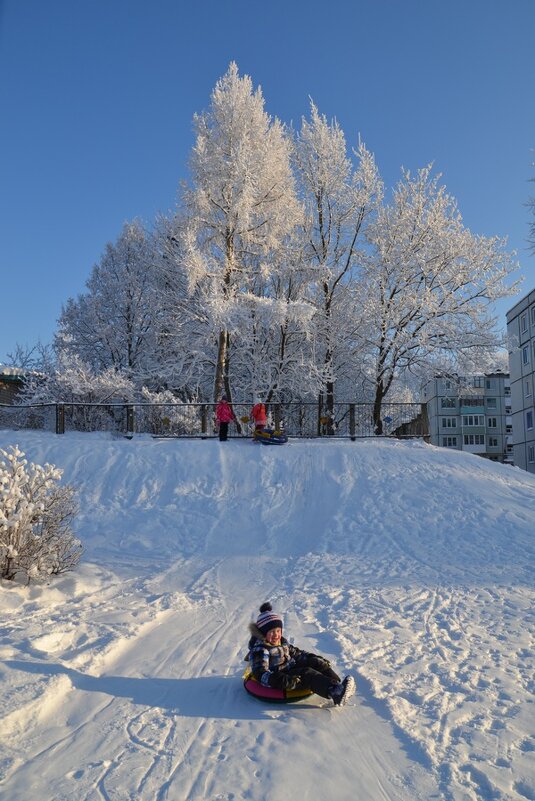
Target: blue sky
97, 99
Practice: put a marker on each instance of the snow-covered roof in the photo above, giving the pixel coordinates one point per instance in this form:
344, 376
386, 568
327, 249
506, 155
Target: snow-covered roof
12, 372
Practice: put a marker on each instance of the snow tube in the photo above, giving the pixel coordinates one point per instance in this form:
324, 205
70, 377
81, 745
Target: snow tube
263, 693
268, 436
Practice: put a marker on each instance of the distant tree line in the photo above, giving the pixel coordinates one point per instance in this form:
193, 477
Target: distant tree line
285, 271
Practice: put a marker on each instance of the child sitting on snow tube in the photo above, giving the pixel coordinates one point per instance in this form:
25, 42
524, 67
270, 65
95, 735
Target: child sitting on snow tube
277, 664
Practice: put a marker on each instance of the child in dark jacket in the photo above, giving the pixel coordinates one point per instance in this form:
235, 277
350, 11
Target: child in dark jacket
278, 664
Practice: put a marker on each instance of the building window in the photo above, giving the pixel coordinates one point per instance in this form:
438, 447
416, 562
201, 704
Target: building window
529, 420
447, 403
525, 354
491, 403
492, 422
449, 422
472, 401
449, 442
473, 420
474, 439
490, 383
531, 453
447, 384
533, 315
527, 388
493, 442
523, 323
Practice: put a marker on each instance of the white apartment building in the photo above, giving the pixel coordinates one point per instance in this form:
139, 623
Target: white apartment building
521, 346
471, 413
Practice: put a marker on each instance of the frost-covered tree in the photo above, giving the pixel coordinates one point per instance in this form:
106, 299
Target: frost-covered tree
113, 324
425, 292
185, 350
76, 383
339, 201
36, 513
240, 208
39, 357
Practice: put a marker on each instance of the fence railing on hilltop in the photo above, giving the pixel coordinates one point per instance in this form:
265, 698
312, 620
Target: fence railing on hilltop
301, 420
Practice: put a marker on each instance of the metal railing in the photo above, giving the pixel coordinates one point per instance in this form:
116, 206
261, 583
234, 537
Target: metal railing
302, 420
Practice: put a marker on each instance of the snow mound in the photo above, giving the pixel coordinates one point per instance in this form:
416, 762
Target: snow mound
409, 566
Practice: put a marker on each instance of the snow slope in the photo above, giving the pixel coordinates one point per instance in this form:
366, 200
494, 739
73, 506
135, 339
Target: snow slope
410, 566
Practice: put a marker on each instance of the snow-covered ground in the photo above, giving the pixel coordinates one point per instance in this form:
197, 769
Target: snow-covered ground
410, 566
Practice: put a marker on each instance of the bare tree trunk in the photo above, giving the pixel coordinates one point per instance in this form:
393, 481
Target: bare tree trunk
220, 366
377, 409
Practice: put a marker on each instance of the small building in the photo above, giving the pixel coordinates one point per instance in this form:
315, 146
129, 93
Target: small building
11, 383
471, 413
521, 347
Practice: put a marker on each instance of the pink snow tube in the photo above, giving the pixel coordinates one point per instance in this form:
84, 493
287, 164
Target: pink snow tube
257, 689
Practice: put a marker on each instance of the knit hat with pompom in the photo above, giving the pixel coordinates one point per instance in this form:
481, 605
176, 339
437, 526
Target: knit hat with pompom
268, 619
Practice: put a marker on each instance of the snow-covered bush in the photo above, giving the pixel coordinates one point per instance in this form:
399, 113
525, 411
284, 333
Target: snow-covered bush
167, 415
94, 401
36, 540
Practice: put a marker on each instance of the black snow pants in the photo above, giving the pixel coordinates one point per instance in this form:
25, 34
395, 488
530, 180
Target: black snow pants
315, 675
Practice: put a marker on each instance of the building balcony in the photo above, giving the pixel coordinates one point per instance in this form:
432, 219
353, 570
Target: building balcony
473, 429
472, 409
475, 448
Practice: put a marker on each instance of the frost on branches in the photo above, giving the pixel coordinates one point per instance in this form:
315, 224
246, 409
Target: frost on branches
36, 540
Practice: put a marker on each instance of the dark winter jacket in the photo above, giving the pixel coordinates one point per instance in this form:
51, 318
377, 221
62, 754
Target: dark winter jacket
266, 659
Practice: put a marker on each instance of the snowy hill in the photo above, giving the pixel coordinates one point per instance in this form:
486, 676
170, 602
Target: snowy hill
410, 566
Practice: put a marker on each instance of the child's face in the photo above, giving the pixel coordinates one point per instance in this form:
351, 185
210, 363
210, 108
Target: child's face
274, 636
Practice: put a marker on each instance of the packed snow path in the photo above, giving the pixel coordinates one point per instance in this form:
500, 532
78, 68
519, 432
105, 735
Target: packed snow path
410, 566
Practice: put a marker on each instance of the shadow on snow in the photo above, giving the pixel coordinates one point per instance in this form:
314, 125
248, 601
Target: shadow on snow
206, 696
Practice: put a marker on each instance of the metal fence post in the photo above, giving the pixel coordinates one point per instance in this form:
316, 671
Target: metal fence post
130, 420
60, 418
204, 418
352, 421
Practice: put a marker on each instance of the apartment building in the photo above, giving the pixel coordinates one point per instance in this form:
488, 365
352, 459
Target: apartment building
471, 413
521, 346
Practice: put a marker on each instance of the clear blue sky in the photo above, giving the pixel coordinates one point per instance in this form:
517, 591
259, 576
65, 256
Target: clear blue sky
97, 99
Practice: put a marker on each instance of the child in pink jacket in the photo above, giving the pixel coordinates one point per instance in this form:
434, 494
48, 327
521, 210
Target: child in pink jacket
224, 415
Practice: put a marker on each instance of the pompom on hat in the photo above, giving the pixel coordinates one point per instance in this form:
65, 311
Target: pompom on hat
268, 619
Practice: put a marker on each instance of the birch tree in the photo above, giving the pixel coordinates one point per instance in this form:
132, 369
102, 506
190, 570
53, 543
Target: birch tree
240, 207
339, 202
427, 287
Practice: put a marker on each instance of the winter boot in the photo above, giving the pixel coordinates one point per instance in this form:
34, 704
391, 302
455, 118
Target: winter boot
340, 693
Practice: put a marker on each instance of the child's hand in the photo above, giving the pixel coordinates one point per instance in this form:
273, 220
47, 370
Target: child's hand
293, 682
281, 681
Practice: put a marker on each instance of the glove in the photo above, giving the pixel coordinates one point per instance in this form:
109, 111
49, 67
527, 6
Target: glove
281, 681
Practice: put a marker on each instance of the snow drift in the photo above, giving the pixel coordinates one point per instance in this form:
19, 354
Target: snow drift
409, 566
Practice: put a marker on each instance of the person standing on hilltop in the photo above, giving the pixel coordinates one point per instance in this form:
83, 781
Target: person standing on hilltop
224, 415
